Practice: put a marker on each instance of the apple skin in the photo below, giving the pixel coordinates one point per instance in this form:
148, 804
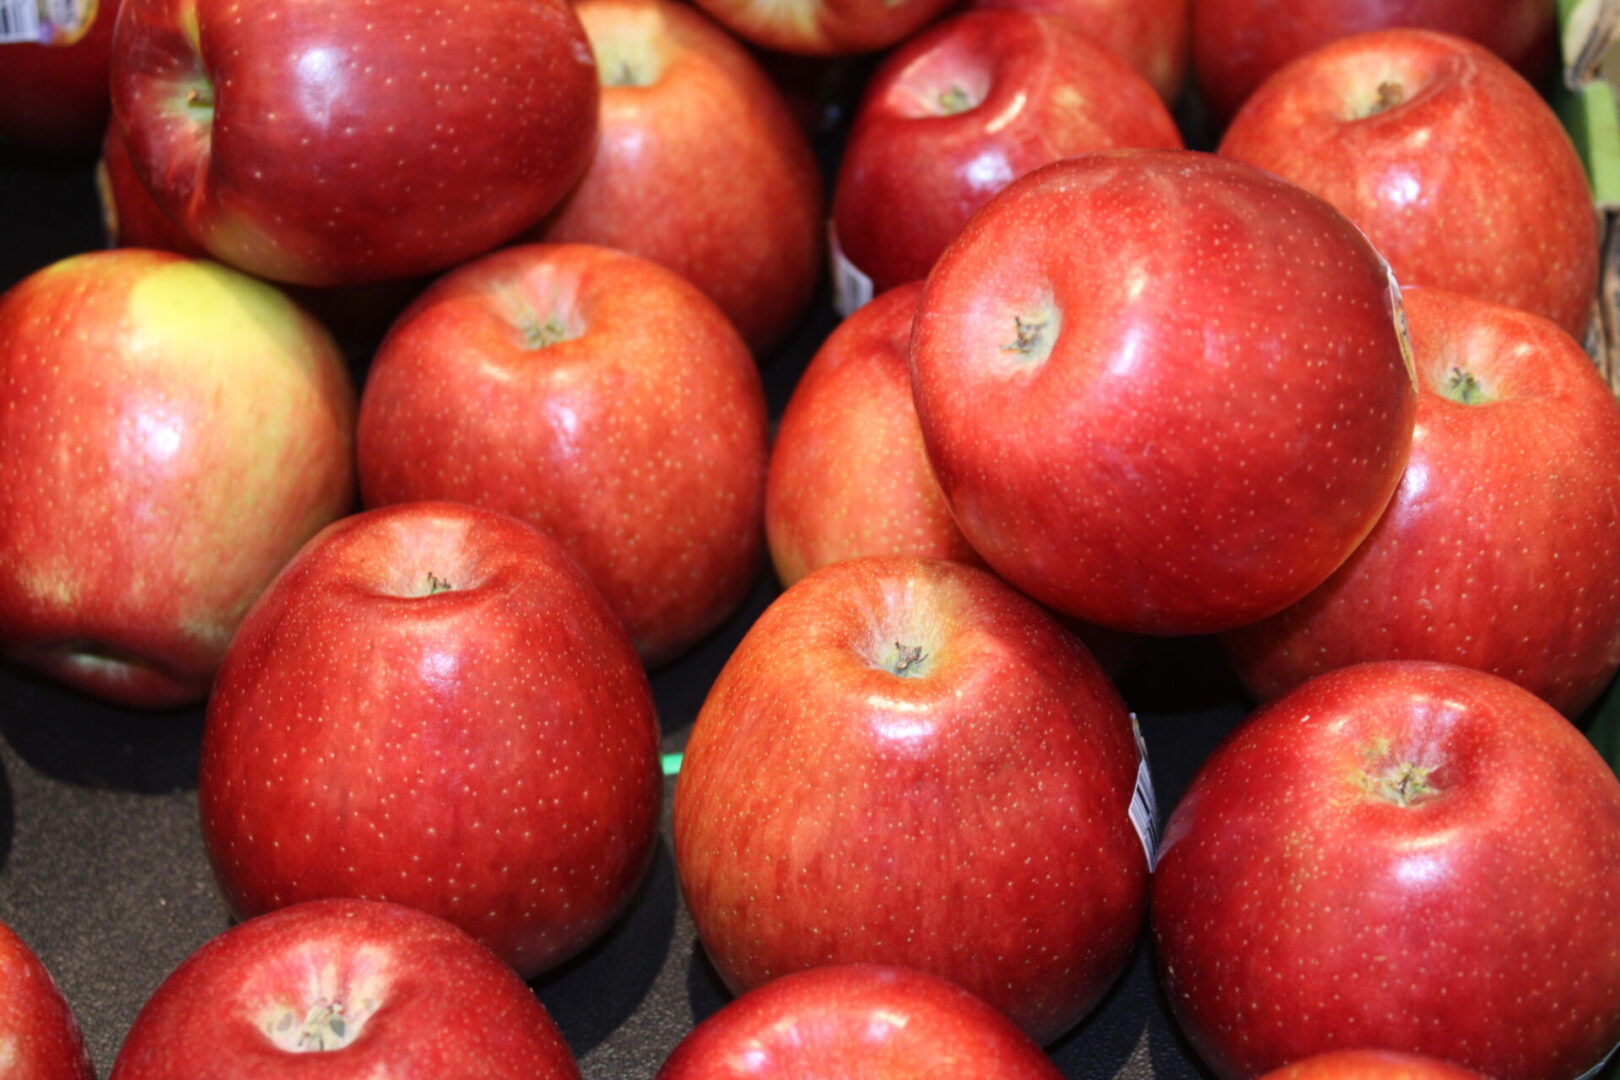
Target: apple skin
1162, 391
128, 212
857, 1020
825, 27
961, 110
334, 144
638, 440
1238, 44
1150, 35
848, 473
487, 753
701, 166
1497, 551
39, 1038
174, 431
1370, 1065
1301, 904
54, 98
964, 814
1468, 183
420, 1001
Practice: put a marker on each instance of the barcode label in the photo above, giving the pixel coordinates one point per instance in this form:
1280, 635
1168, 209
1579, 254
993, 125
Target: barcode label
45, 22
852, 290
1144, 808
19, 21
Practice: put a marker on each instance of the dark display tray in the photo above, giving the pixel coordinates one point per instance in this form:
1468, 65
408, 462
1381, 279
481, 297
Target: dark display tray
102, 869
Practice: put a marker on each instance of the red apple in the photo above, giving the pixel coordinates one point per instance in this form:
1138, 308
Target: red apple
39, 1038
173, 432
53, 87
867, 1021
825, 27
701, 167
324, 143
1238, 44
848, 474
344, 990
1162, 391
1370, 1065
1454, 167
128, 212
1149, 35
1401, 856
906, 762
1497, 551
960, 111
597, 396
433, 706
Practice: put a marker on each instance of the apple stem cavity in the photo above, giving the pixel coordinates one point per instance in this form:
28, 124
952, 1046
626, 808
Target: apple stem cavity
1463, 387
954, 100
908, 660
1029, 337
1404, 785
323, 1028
538, 335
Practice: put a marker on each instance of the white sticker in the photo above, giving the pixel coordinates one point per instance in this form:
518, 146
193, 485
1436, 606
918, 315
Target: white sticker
45, 22
852, 289
1144, 808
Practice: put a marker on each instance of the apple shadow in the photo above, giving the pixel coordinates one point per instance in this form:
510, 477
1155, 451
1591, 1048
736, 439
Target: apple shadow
705, 990
8, 816
591, 995
680, 687
80, 740
1102, 1045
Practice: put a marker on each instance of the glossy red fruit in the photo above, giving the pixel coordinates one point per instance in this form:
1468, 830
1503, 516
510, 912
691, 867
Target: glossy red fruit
39, 1038
1403, 856
1455, 168
1162, 391
700, 167
1150, 35
1497, 551
1370, 1065
597, 396
906, 762
344, 990
433, 706
866, 1021
825, 27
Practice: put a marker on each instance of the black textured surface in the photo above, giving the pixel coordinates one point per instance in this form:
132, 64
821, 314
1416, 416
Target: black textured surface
102, 868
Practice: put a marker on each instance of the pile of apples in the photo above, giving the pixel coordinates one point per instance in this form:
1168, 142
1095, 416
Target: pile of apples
1319, 393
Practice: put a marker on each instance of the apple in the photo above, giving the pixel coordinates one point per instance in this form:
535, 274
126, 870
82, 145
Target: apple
1238, 44
53, 85
597, 396
1150, 35
128, 212
825, 27
1162, 391
1455, 168
858, 1020
848, 473
39, 1038
173, 432
700, 167
1370, 1065
961, 110
1403, 856
322, 143
344, 990
433, 706
1497, 551
906, 762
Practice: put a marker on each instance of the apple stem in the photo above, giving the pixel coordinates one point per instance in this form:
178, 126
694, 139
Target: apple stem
200, 99
1462, 387
954, 100
1029, 336
909, 656
1390, 94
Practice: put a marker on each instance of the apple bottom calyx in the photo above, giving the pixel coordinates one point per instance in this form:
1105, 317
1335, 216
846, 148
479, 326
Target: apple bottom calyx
326, 1026
1463, 387
1390, 93
908, 659
1405, 783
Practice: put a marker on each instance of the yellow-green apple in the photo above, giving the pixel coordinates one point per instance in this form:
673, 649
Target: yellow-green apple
825, 27
857, 1020
961, 110
1149, 35
53, 84
174, 430
1238, 44
39, 1037
344, 990
700, 167
324, 143
1371, 1065
432, 705
595, 395
1401, 856
1455, 168
1497, 551
848, 473
1162, 391
907, 762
